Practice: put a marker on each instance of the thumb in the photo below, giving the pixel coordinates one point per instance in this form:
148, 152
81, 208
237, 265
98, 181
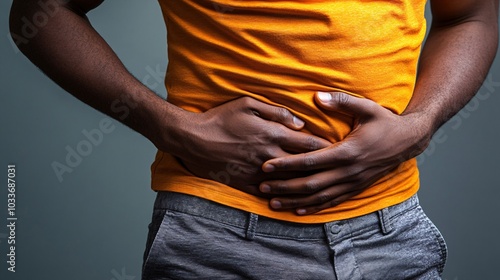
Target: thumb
273, 113
345, 103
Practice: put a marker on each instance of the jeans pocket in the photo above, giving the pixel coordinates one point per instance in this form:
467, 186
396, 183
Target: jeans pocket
440, 241
427, 245
153, 229
412, 249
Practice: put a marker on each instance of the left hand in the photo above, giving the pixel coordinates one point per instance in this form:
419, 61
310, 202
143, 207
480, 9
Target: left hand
379, 142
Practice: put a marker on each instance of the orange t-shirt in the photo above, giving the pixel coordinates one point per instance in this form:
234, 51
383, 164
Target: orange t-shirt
282, 52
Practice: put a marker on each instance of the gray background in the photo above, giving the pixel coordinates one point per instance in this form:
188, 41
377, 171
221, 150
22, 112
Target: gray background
93, 224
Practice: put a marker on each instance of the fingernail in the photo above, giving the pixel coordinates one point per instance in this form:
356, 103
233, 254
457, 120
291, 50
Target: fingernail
275, 204
265, 188
324, 96
301, 211
297, 121
268, 168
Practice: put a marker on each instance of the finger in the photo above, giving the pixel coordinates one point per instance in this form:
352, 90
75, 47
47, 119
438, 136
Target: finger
326, 205
332, 195
338, 154
346, 103
306, 185
295, 141
274, 113
258, 154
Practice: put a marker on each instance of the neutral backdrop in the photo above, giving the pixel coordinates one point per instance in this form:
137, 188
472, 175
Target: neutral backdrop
92, 224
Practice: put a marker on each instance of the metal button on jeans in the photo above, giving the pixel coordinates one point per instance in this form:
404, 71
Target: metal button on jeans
335, 229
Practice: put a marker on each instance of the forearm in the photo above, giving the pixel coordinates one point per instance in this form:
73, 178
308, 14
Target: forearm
454, 62
77, 58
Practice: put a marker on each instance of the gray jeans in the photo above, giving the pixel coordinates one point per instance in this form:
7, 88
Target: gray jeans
192, 238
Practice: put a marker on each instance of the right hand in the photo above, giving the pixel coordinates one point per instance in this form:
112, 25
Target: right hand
229, 143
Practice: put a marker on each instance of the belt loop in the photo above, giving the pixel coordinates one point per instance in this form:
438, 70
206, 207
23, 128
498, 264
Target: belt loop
252, 226
385, 223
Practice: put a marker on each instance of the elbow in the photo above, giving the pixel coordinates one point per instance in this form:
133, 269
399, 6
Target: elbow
15, 25
26, 18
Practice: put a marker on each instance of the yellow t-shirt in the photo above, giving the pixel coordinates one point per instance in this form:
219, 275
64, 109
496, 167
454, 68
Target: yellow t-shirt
281, 52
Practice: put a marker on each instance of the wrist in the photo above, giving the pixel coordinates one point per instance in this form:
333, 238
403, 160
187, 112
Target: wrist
152, 116
421, 129
170, 128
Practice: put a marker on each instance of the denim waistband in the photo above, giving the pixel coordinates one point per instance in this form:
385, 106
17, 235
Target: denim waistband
260, 225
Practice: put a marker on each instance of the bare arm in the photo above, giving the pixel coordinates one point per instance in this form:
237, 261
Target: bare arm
454, 62
76, 57
458, 53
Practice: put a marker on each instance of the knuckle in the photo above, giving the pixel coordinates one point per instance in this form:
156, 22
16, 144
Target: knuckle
347, 154
355, 172
312, 143
280, 187
358, 155
309, 162
282, 114
276, 133
283, 164
333, 203
268, 152
342, 99
293, 203
324, 197
256, 160
311, 186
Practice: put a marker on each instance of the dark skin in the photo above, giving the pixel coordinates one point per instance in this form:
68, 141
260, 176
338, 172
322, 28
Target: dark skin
303, 173
238, 137
75, 56
455, 60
